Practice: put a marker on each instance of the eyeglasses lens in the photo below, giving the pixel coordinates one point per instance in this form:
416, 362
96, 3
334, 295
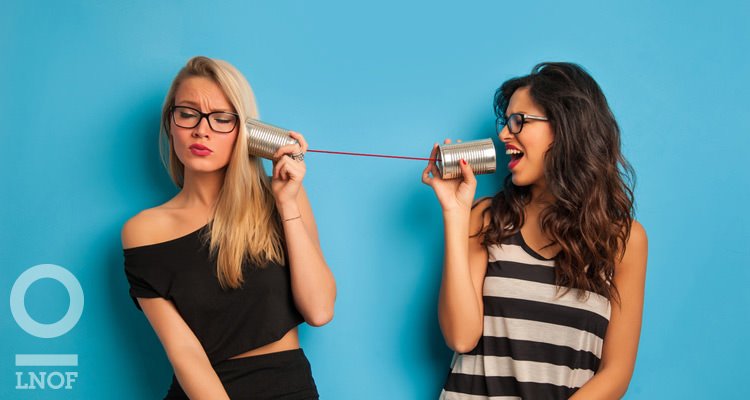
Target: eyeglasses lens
222, 122
515, 123
186, 117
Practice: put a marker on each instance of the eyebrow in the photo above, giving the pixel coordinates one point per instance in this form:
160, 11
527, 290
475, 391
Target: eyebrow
188, 102
197, 106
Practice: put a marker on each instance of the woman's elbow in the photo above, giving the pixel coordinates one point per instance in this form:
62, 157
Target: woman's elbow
460, 337
462, 347
462, 343
319, 311
623, 382
321, 314
319, 318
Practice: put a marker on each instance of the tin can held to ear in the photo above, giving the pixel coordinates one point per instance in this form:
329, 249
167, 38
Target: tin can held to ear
265, 139
479, 154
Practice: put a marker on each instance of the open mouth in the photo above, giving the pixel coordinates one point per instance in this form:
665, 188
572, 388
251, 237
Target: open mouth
514, 154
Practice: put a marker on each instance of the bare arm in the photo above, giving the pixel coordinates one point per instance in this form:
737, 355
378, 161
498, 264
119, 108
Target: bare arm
313, 285
624, 330
460, 306
187, 356
190, 362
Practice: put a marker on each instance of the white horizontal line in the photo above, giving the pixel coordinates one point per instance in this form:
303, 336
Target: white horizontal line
46, 360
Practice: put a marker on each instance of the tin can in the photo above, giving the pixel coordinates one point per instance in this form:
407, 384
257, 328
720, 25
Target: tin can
479, 154
265, 139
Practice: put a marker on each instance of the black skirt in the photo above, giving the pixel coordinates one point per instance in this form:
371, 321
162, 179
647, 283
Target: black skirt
283, 375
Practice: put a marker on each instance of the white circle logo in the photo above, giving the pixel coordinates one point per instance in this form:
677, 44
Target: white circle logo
18, 308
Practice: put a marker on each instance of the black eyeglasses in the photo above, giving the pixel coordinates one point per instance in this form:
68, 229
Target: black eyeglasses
218, 121
515, 122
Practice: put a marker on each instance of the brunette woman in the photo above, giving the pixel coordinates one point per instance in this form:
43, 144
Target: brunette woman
542, 289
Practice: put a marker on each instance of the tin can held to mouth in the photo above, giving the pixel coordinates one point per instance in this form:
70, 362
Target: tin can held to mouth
479, 154
265, 139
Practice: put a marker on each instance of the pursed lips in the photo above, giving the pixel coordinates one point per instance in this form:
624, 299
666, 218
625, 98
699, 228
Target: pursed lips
200, 150
199, 146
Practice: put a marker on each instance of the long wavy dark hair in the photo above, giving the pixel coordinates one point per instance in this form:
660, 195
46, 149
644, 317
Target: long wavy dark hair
586, 173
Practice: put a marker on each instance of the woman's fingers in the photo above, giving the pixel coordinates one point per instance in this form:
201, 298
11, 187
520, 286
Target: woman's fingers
426, 179
431, 167
293, 150
300, 139
287, 168
467, 172
287, 150
434, 152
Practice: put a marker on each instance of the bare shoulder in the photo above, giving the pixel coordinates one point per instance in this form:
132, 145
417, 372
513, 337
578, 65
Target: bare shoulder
480, 218
146, 227
636, 250
480, 205
638, 240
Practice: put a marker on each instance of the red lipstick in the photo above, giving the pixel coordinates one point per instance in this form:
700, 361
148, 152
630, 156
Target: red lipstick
515, 155
200, 150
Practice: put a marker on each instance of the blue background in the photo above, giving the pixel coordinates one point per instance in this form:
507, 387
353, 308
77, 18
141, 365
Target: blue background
81, 86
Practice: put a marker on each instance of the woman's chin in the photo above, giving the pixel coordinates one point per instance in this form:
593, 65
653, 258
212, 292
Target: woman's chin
518, 181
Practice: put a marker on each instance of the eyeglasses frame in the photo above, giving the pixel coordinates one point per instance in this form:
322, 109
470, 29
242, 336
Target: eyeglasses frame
501, 122
204, 115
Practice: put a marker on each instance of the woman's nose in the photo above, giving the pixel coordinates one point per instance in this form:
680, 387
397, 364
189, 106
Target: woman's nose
202, 129
505, 135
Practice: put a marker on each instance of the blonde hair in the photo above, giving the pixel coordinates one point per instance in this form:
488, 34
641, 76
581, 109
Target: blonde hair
245, 224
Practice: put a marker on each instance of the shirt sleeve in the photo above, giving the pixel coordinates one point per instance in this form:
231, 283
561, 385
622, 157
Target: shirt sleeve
146, 277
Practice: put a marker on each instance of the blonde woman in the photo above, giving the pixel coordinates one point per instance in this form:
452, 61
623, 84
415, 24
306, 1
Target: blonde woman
227, 269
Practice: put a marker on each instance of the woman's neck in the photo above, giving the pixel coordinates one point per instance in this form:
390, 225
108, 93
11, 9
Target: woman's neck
541, 198
201, 190
540, 195
532, 229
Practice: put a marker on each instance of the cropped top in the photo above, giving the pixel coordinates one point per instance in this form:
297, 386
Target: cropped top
227, 322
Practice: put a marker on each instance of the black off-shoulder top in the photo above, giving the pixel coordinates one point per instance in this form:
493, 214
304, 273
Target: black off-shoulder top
227, 322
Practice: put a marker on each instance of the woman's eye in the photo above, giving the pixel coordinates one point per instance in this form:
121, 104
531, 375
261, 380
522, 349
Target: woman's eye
225, 119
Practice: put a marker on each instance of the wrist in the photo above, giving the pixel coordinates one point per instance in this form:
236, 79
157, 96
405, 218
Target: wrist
457, 214
283, 220
458, 219
288, 211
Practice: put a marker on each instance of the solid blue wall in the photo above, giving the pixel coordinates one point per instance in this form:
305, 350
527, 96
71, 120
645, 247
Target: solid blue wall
82, 84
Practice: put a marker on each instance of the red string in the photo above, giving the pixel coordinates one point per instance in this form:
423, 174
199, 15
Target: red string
372, 155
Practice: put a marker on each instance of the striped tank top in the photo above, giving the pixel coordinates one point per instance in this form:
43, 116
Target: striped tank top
537, 343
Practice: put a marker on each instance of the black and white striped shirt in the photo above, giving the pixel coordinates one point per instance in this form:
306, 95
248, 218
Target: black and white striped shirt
536, 343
